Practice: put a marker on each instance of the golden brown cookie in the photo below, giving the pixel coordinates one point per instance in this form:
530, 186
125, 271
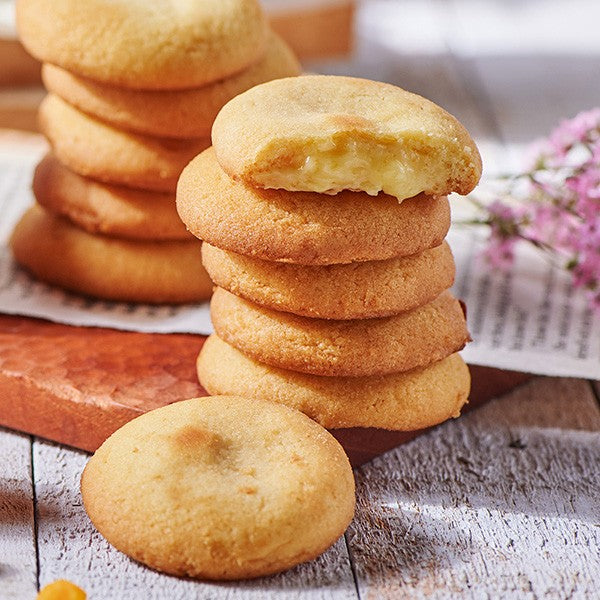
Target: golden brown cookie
163, 44
61, 254
353, 291
404, 401
323, 133
111, 210
304, 227
97, 150
341, 348
177, 113
220, 488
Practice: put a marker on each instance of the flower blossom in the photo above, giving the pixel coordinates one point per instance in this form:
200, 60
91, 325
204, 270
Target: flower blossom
554, 204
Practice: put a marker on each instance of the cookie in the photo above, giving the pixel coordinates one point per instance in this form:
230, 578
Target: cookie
404, 401
110, 210
324, 133
61, 254
158, 45
353, 291
180, 114
97, 150
341, 348
220, 488
304, 227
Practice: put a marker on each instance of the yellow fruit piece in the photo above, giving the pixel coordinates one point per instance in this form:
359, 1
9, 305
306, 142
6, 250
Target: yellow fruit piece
61, 590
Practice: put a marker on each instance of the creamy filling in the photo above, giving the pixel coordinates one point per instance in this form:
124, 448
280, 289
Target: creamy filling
369, 167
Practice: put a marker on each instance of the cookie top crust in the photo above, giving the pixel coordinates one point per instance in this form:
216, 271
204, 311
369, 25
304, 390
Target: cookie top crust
325, 134
163, 44
304, 227
220, 488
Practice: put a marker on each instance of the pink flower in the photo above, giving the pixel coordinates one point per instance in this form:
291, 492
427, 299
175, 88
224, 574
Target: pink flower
505, 221
590, 233
548, 224
536, 154
504, 212
586, 187
595, 151
500, 252
586, 273
594, 300
572, 131
555, 204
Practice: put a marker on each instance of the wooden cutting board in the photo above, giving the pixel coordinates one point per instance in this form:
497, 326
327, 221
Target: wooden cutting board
76, 385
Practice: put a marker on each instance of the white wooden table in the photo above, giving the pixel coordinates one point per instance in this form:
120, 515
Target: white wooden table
501, 503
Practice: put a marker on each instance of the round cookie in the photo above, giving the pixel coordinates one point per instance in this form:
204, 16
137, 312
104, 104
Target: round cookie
97, 150
61, 254
353, 291
106, 209
179, 114
220, 488
304, 227
403, 401
354, 348
165, 44
324, 133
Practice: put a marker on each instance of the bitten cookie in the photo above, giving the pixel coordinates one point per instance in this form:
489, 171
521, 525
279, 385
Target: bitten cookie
404, 401
165, 44
61, 254
341, 348
180, 114
97, 150
220, 488
106, 209
304, 228
325, 133
354, 291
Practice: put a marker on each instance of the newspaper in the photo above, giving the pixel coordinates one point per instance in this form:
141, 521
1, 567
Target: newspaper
529, 319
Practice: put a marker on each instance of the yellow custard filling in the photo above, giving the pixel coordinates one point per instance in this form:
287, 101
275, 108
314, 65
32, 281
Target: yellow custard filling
330, 166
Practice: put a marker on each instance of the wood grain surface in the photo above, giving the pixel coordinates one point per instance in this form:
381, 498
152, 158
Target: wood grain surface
502, 503
76, 385
18, 568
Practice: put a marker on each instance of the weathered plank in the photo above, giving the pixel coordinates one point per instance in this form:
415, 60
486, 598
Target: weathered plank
502, 503
18, 564
70, 548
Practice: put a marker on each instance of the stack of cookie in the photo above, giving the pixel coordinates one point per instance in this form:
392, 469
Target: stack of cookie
134, 90
323, 206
